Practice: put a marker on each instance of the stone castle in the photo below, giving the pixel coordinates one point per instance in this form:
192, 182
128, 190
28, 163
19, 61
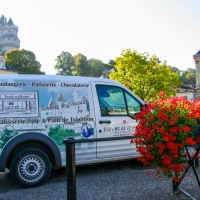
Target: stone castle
8, 35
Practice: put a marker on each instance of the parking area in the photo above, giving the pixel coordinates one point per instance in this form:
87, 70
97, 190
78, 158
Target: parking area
110, 181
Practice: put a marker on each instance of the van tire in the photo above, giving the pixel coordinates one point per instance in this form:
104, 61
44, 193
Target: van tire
30, 167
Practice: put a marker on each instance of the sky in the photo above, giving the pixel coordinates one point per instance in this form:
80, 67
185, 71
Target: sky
101, 29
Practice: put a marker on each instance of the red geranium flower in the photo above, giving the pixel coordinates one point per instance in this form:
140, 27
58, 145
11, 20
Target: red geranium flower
165, 127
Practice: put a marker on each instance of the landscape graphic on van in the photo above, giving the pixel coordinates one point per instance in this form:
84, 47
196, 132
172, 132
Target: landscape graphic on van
58, 134
6, 135
56, 112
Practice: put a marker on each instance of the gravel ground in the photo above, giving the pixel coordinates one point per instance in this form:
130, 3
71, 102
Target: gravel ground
121, 181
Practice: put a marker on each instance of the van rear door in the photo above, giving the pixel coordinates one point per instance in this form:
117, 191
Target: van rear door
115, 108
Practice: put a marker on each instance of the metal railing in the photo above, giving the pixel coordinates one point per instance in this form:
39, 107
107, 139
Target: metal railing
71, 164
71, 160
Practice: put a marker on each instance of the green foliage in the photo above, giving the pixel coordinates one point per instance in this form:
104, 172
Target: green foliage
58, 134
96, 67
111, 65
6, 135
188, 77
146, 76
81, 65
23, 61
64, 64
175, 69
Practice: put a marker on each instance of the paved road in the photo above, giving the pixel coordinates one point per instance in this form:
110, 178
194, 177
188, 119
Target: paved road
125, 180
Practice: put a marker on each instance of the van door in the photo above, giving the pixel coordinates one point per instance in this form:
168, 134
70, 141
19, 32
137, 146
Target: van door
115, 108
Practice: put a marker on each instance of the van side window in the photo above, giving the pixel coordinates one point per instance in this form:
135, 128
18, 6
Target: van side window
114, 100
111, 100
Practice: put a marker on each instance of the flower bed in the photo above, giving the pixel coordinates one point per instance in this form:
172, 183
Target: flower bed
165, 127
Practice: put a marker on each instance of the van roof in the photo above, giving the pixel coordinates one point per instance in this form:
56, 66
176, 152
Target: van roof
53, 77
58, 78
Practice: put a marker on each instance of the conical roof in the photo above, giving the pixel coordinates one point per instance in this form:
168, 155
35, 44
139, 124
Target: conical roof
2, 20
198, 53
52, 103
10, 22
61, 99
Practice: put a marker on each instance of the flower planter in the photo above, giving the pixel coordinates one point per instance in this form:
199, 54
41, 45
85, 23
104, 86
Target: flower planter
165, 127
196, 131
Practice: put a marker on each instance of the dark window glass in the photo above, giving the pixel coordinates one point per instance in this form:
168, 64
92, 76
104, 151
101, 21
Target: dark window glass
133, 104
115, 101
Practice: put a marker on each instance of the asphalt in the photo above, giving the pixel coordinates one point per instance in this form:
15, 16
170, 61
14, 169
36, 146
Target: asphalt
122, 181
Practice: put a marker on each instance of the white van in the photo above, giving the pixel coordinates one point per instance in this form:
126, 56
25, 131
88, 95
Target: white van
37, 112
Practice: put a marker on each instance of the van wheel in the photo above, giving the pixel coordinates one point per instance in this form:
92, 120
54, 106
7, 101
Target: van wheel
30, 167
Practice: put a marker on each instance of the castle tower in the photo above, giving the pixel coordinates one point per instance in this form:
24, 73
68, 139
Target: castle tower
8, 35
197, 66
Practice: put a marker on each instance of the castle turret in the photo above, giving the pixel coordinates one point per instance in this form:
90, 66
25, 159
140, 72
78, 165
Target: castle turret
197, 66
8, 35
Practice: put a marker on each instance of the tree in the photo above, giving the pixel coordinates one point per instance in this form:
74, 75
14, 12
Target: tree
146, 76
111, 65
175, 69
188, 77
81, 65
23, 61
64, 64
96, 67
